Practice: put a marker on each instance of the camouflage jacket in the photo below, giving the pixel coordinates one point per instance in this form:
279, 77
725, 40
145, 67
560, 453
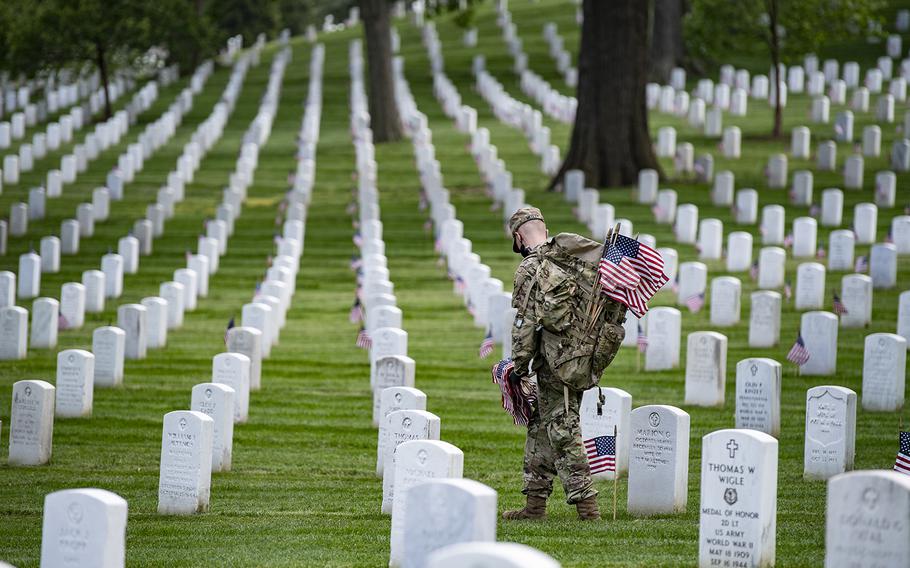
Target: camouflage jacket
525, 330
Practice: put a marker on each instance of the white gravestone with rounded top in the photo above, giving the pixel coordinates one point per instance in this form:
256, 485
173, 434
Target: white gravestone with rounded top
13, 333
658, 461
725, 301
706, 368
856, 295
868, 520
764, 319
403, 426
45, 321
132, 319
233, 370
758, 385
248, 341
217, 401
830, 431
810, 286
884, 372
185, 476
393, 399
663, 339
75, 383
819, 333
84, 527
415, 462
31, 423
391, 371
738, 520
443, 512
490, 555
603, 417
108, 347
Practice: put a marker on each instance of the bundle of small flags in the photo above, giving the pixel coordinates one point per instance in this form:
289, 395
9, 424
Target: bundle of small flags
631, 272
364, 341
799, 354
486, 346
517, 396
839, 307
695, 302
902, 463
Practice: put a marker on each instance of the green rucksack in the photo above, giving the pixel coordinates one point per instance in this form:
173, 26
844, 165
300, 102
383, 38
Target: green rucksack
581, 329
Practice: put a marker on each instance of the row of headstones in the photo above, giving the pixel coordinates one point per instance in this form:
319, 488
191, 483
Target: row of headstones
558, 106
867, 518
155, 135
197, 442
177, 296
88, 214
105, 134
62, 99
60, 91
146, 325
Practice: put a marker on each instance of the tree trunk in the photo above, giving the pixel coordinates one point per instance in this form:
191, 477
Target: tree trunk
610, 140
775, 66
101, 60
667, 46
384, 119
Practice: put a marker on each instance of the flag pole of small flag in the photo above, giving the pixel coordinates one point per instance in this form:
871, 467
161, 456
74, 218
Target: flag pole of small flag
363, 339
799, 354
486, 346
230, 326
839, 307
902, 463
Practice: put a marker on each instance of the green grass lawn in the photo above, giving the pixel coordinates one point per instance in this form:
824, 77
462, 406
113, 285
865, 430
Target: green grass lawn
302, 490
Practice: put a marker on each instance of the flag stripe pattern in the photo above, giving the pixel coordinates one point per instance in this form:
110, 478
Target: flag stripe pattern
839, 307
514, 401
642, 339
601, 453
902, 464
486, 346
798, 354
631, 273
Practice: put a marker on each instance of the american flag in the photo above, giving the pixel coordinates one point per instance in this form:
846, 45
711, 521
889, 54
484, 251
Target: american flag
788, 290
356, 263
695, 302
631, 273
788, 240
486, 346
642, 339
356, 314
358, 239
821, 252
459, 284
798, 354
889, 238
902, 463
62, 323
814, 210
753, 270
861, 264
839, 307
364, 341
601, 453
471, 309
230, 325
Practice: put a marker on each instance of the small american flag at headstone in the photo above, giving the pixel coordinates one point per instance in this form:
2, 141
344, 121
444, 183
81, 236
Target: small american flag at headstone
861, 264
695, 302
486, 346
356, 314
601, 452
363, 339
642, 339
230, 325
799, 354
838, 306
902, 463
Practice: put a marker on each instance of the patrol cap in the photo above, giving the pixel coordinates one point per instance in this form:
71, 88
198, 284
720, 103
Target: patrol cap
521, 217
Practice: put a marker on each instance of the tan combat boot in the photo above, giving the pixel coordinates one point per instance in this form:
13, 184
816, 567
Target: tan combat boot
587, 509
536, 508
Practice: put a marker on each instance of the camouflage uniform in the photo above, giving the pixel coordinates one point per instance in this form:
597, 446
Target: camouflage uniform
554, 445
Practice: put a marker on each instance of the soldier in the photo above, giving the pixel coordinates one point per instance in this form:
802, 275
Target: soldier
554, 445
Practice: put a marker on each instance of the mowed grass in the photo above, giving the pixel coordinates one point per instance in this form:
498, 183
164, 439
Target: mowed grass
302, 491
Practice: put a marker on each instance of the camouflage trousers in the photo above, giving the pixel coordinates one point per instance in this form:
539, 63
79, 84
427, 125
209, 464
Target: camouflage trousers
554, 445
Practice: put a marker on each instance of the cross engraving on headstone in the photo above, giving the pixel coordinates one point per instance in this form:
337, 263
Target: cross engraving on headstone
732, 446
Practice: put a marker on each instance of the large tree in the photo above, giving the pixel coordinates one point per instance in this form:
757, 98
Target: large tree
782, 30
48, 35
610, 140
668, 48
384, 118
